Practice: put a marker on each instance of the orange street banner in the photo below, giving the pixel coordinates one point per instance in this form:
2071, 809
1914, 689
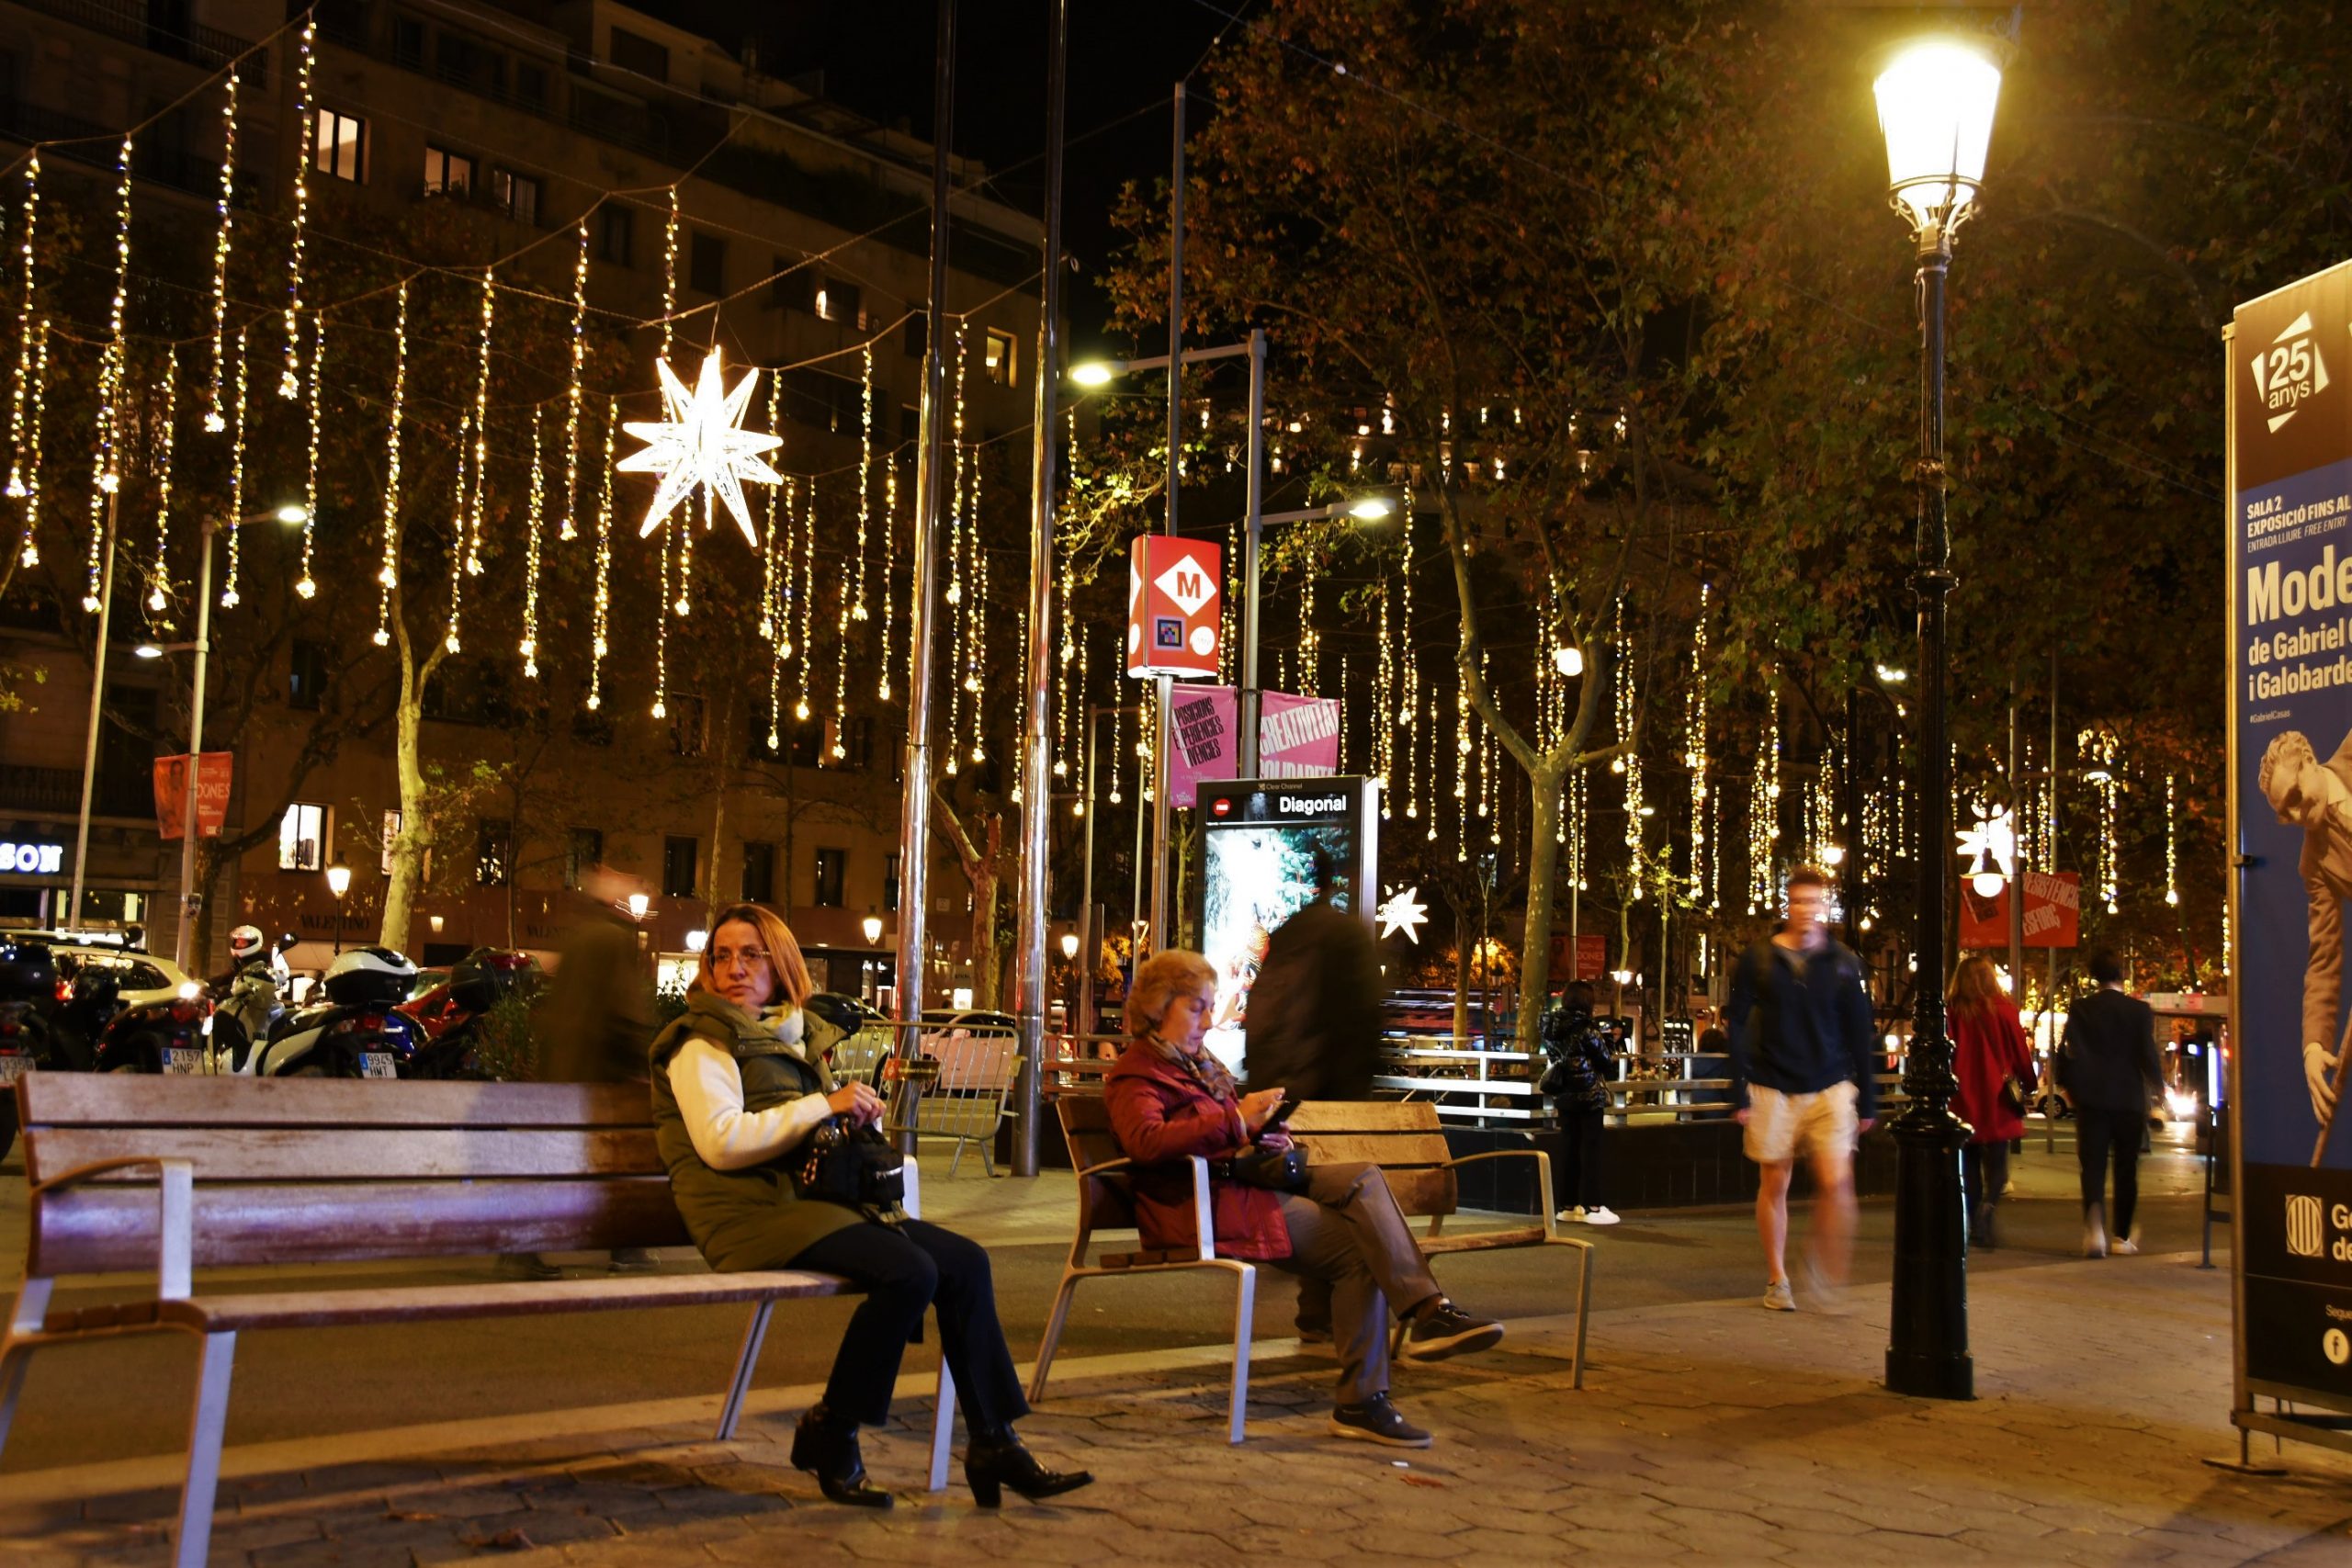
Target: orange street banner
2053, 908
211, 793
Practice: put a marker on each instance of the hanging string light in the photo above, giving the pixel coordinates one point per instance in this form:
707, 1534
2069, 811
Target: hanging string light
24, 382
457, 519
2103, 751
159, 575
604, 601
214, 421
2172, 848
977, 612
889, 541
290, 385
1428, 783
670, 274
29, 551
237, 490
387, 572
531, 555
807, 602
305, 586
1310, 647
1630, 761
481, 426
1118, 719
768, 617
1697, 755
1227, 655
1825, 810
864, 480
662, 630
1384, 675
1064, 655
570, 530
1085, 731
1763, 810
1574, 831
105, 477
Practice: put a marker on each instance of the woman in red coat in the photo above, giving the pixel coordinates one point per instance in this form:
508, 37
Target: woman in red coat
1171, 1099
1988, 1046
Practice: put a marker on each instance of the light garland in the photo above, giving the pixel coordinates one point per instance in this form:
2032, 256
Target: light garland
388, 573
105, 478
604, 601
2172, 848
1407, 706
570, 530
290, 385
2105, 753
889, 543
864, 481
1064, 655
237, 488
482, 426
669, 275
807, 600
1384, 674
1227, 655
1085, 730
26, 347
29, 552
159, 576
767, 566
457, 513
1118, 720
305, 586
662, 630
1630, 761
1574, 831
1429, 784
976, 616
1310, 647
1697, 711
214, 421
531, 555
1763, 810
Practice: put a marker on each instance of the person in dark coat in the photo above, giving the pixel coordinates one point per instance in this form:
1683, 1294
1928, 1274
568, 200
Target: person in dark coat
2107, 1065
1988, 1046
1313, 1026
1577, 1081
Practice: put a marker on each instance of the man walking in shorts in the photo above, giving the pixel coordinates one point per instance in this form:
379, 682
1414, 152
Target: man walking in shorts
1802, 1082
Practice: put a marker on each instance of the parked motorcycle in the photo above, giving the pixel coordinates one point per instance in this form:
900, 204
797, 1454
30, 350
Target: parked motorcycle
153, 1037
453, 1016
357, 1032
29, 998
249, 1002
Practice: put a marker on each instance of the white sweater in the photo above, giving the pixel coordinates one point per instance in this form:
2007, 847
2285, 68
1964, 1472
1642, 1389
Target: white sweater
709, 1090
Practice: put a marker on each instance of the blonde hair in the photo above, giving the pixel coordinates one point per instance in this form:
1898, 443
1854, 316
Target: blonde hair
1161, 980
1974, 986
783, 953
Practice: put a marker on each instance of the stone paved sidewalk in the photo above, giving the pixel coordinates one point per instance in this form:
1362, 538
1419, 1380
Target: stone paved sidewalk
1710, 1431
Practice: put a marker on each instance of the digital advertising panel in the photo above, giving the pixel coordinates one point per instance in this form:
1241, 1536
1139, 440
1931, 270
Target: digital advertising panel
1254, 870
2291, 733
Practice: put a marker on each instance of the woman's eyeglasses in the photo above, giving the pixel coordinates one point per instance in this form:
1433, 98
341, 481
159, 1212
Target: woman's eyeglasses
751, 956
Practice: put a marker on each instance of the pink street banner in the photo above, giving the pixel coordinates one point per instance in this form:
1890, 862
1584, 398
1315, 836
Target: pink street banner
1297, 737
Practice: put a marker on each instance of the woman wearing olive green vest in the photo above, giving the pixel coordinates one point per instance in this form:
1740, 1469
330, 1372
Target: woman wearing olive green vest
739, 1082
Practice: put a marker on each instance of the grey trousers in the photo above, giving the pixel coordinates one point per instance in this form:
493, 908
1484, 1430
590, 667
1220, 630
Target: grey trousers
1346, 1230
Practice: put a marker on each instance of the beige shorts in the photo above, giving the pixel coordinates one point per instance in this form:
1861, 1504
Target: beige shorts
1781, 1127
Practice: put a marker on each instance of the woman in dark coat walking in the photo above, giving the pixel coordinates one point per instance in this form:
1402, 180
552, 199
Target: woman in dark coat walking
1577, 1081
1988, 1048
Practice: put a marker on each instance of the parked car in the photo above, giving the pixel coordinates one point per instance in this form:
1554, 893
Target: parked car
141, 979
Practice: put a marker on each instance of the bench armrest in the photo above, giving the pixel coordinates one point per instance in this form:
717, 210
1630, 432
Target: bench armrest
175, 1197
1122, 1163
1542, 1179
1204, 1217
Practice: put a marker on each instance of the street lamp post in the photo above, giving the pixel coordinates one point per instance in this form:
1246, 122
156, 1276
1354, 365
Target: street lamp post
97, 713
184, 950
1935, 101
338, 883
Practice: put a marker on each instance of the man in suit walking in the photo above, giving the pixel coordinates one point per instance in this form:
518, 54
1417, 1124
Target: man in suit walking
2107, 1065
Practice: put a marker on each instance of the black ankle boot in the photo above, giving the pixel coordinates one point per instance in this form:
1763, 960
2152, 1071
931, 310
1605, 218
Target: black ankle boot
826, 1448
996, 1460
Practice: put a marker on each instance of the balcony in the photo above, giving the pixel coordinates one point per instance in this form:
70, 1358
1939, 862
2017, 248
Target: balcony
130, 21
57, 792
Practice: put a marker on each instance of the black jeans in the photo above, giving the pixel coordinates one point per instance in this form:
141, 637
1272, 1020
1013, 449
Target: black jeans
1580, 1180
2096, 1133
904, 1271
1984, 1170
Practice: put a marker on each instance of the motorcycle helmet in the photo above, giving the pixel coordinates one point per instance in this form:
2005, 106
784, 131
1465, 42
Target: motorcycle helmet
245, 944
370, 976
486, 975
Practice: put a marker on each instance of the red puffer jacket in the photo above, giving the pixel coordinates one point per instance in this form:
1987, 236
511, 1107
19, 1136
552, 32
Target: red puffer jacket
1161, 1114
1985, 1048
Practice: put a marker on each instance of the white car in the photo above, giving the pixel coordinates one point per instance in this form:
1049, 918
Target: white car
145, 977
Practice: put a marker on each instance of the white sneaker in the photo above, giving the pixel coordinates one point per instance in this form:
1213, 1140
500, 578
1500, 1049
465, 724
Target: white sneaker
1601, 1216
2095, 1233
1778, 1297
2126, 1246
1571, 1216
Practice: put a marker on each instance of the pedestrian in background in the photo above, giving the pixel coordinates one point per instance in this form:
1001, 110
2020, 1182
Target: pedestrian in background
1710, 1059
1990, 1059
1804, 1082
2107, 1063
1577, 1081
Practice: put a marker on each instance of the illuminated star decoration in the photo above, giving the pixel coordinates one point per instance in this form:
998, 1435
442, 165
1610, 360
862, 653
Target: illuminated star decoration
700, 447
1404, 912
1994, 834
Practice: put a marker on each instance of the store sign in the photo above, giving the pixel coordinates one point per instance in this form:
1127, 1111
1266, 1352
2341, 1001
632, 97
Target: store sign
32, 860
1297, 737
1175, 609
2053, 907
212, 780
2290, 431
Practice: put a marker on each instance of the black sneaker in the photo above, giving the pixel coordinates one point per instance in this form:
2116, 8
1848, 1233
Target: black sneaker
1449, 1331
1377, 1421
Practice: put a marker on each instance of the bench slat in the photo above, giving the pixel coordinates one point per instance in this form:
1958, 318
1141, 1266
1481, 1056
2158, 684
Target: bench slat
1365, 1116
359, 1154
1389, 1150
173, 1100
438, 1303
101, 1229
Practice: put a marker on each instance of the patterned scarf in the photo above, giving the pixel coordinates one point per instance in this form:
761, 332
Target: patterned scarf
1202, 1067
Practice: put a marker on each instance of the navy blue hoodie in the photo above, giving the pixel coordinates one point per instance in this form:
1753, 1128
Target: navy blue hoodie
1801, 1022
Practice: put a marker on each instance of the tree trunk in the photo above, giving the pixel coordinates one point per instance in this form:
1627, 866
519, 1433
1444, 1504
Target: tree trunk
1543, 864
987, 962
1461, 984
410, 844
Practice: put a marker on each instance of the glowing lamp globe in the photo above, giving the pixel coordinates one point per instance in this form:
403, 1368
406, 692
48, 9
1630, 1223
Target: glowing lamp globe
1934, 107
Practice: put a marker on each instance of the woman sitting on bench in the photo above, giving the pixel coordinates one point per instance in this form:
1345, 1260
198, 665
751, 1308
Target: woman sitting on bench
740, 1083
1169, 1098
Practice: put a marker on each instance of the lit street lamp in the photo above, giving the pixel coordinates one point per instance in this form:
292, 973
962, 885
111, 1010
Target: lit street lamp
338, 883
1936, 99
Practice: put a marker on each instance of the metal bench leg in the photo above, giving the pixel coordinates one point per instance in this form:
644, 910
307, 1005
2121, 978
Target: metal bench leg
942, 1427
32, 1305
1055, 1322
745, 1361
1584, 1313
194, 1536
958, 1160
1244, 1309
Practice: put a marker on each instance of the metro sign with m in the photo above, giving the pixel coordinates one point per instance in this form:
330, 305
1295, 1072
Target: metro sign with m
1175, 613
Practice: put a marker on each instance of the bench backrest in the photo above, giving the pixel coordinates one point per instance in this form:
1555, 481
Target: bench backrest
1403, 1137
323, 1171
1086, 1128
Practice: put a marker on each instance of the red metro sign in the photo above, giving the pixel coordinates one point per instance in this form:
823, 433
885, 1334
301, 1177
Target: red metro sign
1174, 609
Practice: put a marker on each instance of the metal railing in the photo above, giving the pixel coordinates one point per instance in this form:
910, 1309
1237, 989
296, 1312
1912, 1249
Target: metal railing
132, 21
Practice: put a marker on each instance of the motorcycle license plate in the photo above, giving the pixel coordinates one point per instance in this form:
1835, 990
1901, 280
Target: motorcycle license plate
375, 1065
183, 1059
12, 1067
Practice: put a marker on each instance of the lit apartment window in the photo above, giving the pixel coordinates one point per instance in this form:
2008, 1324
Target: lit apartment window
339, 145
838, 302
516, 194
494, 852
999, 358
301, 837
446, 172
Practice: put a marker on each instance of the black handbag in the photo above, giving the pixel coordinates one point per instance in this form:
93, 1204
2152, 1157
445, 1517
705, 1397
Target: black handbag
1277, 1170
855, 1166
2013, 1099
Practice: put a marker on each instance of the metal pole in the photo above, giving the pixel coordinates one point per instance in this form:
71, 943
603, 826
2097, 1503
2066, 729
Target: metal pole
1927, 1352
2017, 860
1037, 814
914, 822
1089, 938
184, 951
1250, 699
73, 920
1162, 684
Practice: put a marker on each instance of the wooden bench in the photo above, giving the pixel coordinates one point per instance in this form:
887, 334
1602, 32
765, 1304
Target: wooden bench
130, 1172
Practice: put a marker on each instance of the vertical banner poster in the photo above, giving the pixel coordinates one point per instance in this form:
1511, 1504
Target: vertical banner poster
1204, 720
1175, 615
1254, 870
2290, 706
212, 781
1298, 738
